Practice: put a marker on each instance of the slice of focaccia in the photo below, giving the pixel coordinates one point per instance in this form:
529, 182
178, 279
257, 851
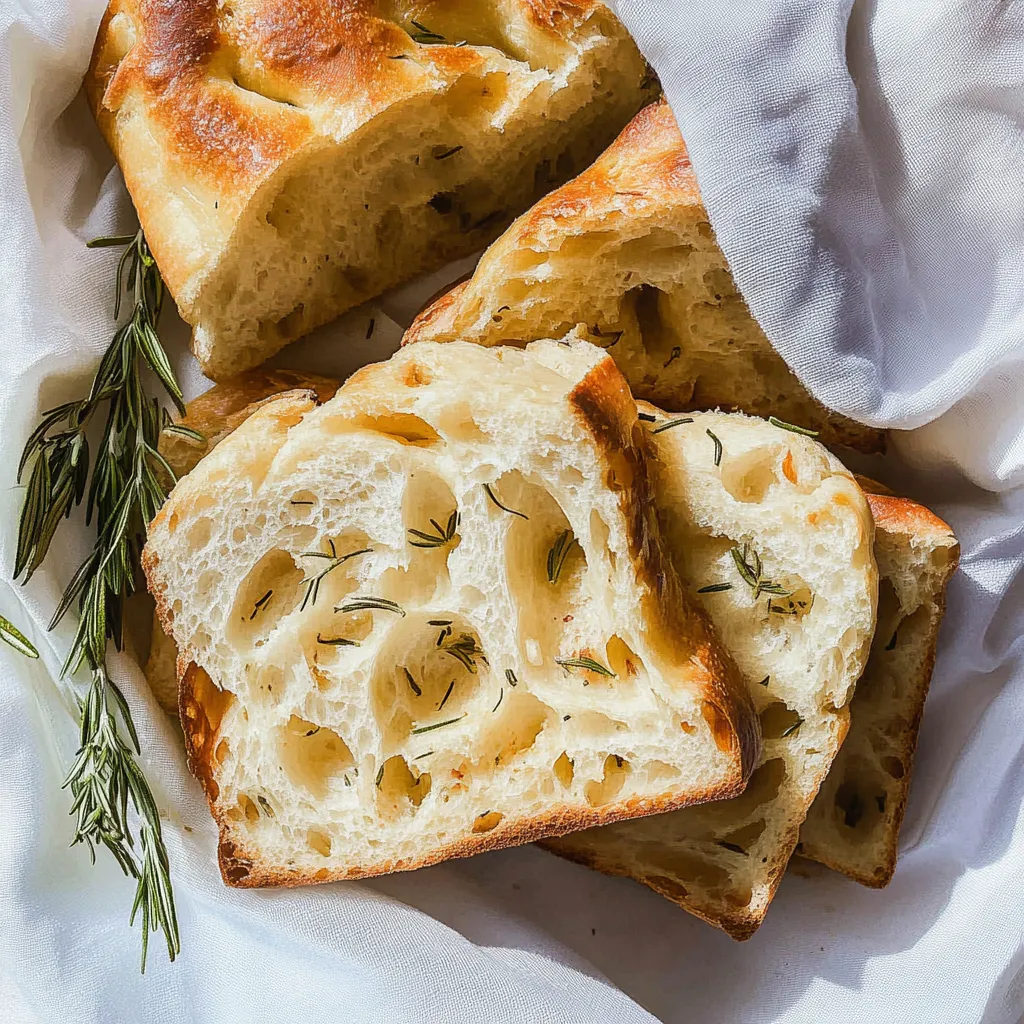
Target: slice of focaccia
854, 824
435, 616
290, 159
774, 536
626, 249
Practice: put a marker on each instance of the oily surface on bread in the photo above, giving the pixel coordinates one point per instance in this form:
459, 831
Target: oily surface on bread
626, 248
730, 486
290, 159
854, 824
386, 657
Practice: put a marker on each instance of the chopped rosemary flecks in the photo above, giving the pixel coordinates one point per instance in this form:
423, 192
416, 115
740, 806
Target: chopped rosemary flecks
465, 649
765, 681
372, 604
313, 731
891, 645
348, 781
424, 35
733, 847
792, 729
438, 539
776, 422
501, 697
558, 554
718, 447
715, 588
586, 664
445, 632
447, 694
753, 573
12, 636
647, 417
673, 355
501, 309
302, 503
370, 327
419, 757
447, 153
413, 685
437, 725
791, 607
312, 583
337, 641
380, 777
672, 423
265, 804
504, 508
260, 604
618, 761
439, 622
565, 718
510, 677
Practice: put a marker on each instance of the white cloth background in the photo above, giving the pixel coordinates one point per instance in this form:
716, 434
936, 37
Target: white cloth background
863, 170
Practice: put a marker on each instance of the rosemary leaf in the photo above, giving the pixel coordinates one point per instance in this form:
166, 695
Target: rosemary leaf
672, 423
376, 604
501, 697
792, 729
261, 604
647, 417
718, 447
587, 664
558, 554
715, 588
338, 641
447, 694
413, 685
463, 648
504, 508
776, 422
765, 681
510, 677
11, 635
437, 725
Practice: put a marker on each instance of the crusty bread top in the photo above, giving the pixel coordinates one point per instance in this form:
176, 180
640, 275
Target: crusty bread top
626, 248
463, 415
203, 100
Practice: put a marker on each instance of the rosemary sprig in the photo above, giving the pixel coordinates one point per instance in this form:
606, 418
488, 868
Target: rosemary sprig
125, 491
776, 422
748, 564
13, 637
312, 583
559, 553
504, 508
465, 649
373, 604
440, 536
587, 664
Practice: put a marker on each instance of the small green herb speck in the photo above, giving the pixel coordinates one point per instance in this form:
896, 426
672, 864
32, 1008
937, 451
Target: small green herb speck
715, 588
510, 677
501, 697
718, 447
413, 685
260, 604
504, 508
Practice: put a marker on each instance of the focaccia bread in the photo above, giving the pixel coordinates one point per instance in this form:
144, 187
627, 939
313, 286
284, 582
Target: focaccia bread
854, 824
290, 159
627, 250
774, 536
435, 616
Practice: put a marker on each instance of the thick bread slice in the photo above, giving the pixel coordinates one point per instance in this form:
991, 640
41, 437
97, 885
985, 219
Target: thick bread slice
626, 248
854, 824
728, 485
377, 671
290, 159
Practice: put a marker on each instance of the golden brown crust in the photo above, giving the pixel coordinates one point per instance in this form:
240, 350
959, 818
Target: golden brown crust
899, 516
605, 405
644, 174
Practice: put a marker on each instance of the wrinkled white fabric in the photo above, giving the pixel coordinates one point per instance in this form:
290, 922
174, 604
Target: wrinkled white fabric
876, 244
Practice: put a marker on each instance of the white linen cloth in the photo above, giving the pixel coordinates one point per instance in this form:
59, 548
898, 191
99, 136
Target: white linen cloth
863, 170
